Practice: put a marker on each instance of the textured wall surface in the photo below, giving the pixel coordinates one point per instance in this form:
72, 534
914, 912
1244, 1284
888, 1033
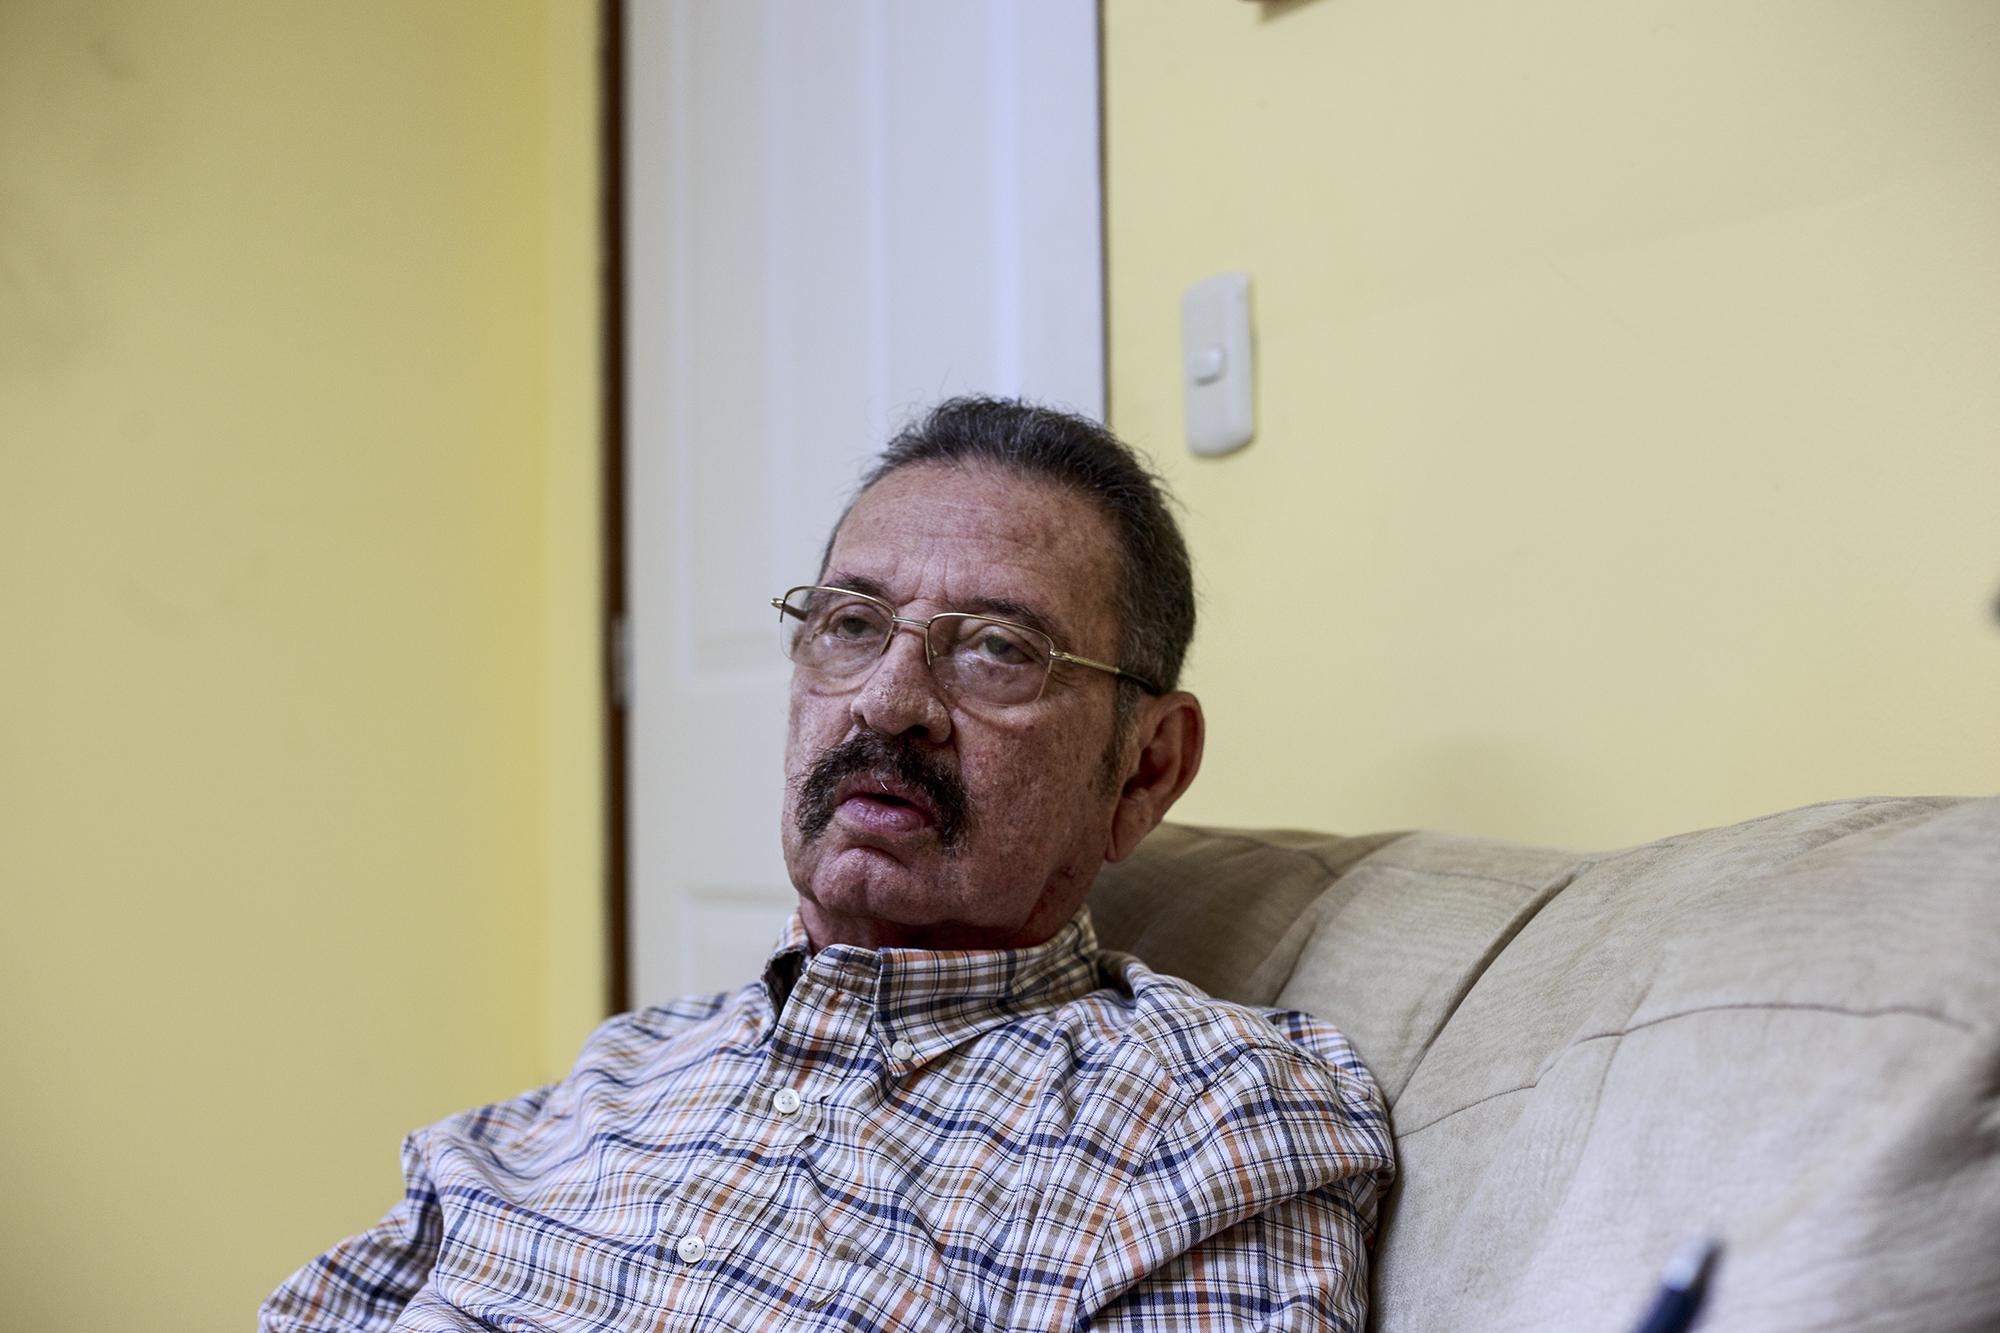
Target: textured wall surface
1626, 454
298, 729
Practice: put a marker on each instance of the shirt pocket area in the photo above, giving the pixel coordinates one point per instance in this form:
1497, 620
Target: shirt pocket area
508, 1265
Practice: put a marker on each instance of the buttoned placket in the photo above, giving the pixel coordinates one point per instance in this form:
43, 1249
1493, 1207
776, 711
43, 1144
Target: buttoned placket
844, 1003
844, 1038
699, 1228
767, 1216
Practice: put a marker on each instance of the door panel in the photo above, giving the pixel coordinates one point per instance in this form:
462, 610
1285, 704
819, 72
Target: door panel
837, 211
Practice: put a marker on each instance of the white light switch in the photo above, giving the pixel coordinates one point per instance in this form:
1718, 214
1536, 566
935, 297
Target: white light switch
1215, 363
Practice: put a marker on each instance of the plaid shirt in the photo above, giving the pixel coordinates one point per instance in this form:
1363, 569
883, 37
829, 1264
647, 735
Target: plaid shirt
1049, 1138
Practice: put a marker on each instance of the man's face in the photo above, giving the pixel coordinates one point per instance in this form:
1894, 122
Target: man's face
886, 869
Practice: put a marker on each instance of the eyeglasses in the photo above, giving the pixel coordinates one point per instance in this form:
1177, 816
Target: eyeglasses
840, 632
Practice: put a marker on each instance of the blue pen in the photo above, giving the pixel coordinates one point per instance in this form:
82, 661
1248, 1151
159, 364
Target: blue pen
1682, 1284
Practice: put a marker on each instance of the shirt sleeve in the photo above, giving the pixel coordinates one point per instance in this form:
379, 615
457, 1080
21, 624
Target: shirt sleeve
1257, 1208
1301, 1264
363, 1283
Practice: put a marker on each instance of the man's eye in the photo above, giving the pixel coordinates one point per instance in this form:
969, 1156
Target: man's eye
850, 626
998, 648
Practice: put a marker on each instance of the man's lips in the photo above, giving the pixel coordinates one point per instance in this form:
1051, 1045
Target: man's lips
883, 805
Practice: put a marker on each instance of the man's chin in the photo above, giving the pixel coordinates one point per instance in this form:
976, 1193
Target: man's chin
868, 897
865, 870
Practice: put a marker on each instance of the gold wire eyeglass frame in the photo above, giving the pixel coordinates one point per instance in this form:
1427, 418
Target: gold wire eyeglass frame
1051, 653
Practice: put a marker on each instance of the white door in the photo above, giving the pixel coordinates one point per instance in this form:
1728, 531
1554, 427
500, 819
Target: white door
837, 212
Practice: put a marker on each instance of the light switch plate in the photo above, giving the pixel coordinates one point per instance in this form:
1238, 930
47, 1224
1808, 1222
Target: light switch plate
1215, 363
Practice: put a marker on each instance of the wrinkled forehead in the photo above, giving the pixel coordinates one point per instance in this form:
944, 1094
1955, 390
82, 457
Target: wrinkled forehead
976, 537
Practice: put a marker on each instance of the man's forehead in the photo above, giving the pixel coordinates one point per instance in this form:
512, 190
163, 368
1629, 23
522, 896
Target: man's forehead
984, 538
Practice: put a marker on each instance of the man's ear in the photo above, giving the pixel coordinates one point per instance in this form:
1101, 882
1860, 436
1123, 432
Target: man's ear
1167, 737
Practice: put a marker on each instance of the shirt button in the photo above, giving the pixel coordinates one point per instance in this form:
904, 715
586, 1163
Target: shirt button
785, 1101
691, 1248
903, 1051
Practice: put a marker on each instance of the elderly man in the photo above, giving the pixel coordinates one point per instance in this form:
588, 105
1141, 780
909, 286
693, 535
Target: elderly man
941, 1106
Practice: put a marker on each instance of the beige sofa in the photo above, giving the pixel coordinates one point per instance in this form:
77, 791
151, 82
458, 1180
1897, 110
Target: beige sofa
1785, 1033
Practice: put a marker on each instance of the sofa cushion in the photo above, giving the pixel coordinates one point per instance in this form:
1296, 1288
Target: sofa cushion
1228, 909
1417, 925
1780, 1032
1382, 934
1706, 1034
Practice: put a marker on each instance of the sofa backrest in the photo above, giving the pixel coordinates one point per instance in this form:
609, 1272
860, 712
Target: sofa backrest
1781, 1033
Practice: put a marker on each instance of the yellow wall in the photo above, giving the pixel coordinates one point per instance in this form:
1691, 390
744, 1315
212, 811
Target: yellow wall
298, 587
1629, 400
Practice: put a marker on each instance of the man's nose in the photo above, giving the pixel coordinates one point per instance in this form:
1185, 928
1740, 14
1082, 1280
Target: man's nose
899, 695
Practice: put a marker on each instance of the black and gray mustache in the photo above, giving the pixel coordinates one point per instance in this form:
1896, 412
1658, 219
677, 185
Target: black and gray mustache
899, 760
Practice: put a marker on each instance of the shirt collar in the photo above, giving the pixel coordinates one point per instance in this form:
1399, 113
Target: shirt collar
939, 999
